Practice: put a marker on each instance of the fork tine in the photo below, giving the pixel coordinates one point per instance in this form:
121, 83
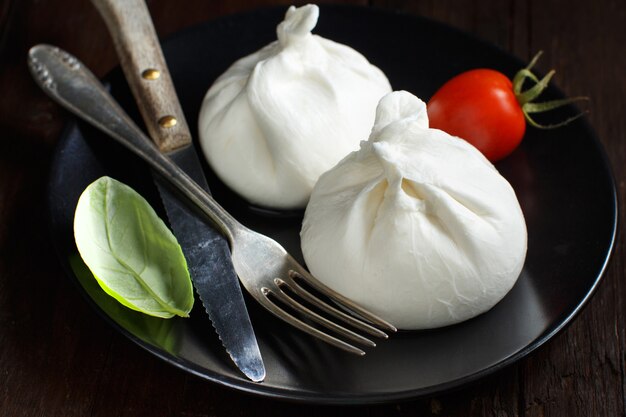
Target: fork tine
349, 334
335, 296
282, 314
346, 318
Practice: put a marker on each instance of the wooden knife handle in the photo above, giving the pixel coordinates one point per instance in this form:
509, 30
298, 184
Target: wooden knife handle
145, 68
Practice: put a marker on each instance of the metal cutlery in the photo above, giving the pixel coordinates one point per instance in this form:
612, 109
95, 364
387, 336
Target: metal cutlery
264, 268
205, 249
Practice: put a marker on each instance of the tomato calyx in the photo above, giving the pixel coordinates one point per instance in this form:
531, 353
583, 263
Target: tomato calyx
525, 98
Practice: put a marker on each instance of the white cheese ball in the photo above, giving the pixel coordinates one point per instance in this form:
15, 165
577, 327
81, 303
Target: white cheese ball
279, 118
417, 226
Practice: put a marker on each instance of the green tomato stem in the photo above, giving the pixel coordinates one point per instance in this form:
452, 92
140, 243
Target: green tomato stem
536, 90
520, 77
550, 105
525, 98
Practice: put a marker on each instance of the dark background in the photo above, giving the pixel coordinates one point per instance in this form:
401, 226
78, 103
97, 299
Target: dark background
58, 358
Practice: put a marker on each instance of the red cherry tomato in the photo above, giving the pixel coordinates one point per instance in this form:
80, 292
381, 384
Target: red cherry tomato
481, 107
490, 111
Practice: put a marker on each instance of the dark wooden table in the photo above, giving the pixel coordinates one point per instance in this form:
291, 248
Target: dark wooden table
58, 358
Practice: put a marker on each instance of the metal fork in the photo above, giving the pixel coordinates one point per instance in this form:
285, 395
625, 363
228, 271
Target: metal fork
264, 267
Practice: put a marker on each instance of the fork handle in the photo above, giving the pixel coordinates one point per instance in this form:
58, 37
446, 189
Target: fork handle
66, 80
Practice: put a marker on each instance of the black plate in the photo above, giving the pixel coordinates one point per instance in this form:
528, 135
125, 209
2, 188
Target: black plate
561, 177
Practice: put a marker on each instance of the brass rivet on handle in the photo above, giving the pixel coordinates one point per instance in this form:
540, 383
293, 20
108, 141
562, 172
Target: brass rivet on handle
167, 121
151, 74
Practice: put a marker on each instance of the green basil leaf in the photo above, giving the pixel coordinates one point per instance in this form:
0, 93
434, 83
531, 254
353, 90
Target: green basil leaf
132, 254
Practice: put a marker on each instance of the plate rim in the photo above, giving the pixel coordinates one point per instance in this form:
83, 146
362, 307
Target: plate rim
310, 397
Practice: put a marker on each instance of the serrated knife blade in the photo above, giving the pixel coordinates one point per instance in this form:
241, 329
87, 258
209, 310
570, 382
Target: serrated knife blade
208, 258
206, 250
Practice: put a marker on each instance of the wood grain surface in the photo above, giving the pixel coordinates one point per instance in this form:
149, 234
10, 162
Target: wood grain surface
58, 358
137, 45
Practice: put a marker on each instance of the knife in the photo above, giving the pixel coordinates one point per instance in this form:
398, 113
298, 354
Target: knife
206, 250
